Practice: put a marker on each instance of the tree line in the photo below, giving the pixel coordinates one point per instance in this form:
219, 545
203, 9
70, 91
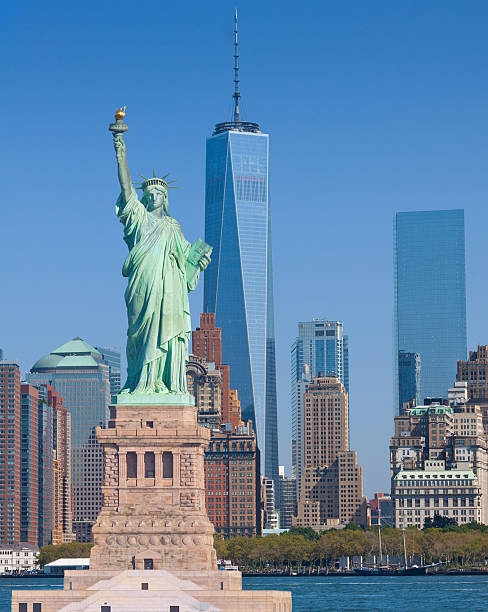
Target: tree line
300, 548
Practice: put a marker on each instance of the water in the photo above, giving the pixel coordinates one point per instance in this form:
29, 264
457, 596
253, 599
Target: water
390, 594
341, 594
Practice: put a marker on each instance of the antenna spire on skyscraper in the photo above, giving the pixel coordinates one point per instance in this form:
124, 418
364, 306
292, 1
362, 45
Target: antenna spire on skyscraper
236, 124
236, 95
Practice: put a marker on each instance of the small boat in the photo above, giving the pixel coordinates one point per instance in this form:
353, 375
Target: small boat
389, 570
413, 570
226, 565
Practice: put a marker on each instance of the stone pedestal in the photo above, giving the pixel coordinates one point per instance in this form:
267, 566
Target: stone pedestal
153, 540
153, 514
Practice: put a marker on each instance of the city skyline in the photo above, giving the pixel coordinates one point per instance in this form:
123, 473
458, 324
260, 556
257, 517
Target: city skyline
372, 136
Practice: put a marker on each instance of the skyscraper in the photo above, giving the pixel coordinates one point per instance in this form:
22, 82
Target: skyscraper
205, 384
63, 508
29, 464
111, 357
430, 296
238, 282
331, 483
288, 499
232, 478
321, 349
475, 373
45, 428
79, 374
10, 469
409, 372
45, 493
207, 344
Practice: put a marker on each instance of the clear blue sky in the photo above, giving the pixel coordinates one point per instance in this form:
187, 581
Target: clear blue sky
373, 107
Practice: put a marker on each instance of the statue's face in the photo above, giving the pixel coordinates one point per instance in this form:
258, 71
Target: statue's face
156, 197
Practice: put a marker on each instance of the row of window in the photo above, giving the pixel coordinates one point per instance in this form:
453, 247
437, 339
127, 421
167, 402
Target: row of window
149, 464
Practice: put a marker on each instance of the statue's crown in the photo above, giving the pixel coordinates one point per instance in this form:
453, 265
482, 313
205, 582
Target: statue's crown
154, 180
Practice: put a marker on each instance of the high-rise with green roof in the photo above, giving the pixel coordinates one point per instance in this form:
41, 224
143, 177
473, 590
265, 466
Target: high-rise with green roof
78, 372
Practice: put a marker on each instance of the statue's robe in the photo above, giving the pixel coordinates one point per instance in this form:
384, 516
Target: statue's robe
157, 299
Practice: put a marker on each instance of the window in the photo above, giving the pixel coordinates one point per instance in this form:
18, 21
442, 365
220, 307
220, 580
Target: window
167, 465
131, 462
149, 464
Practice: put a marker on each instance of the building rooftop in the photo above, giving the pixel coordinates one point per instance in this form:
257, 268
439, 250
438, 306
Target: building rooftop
20, 547
73, 354
433, 409
432, 473
75, 561
76, 346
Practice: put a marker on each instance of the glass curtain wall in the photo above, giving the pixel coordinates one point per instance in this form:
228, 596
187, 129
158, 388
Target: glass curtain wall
430, 297
238, 282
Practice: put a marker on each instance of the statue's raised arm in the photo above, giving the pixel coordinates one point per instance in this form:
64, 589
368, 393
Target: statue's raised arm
118, 128
123, 168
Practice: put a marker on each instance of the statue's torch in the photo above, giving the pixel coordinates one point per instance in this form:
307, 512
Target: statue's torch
119, 127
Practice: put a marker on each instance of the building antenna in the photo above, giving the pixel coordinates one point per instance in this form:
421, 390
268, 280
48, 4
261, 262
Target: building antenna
236, 95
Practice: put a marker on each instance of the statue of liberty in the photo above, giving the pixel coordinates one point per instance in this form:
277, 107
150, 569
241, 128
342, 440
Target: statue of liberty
161, 268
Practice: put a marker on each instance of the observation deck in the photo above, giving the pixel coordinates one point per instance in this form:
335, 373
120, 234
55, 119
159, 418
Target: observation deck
237, 126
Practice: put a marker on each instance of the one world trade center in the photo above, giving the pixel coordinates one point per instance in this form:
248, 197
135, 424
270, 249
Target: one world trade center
238, 282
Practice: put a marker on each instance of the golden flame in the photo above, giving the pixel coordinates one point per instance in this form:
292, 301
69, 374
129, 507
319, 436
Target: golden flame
120, 113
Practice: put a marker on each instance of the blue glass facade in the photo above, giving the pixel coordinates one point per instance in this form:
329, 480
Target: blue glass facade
409, 373
238, 282
111, 356
430, 296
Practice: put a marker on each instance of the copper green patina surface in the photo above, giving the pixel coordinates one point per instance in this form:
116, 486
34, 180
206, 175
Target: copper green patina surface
161, 268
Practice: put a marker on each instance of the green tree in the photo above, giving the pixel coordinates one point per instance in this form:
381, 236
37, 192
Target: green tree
307, 532
439, 521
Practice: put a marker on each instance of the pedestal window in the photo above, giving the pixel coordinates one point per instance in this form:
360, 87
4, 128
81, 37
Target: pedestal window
167, 465
149, 465
131, 463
